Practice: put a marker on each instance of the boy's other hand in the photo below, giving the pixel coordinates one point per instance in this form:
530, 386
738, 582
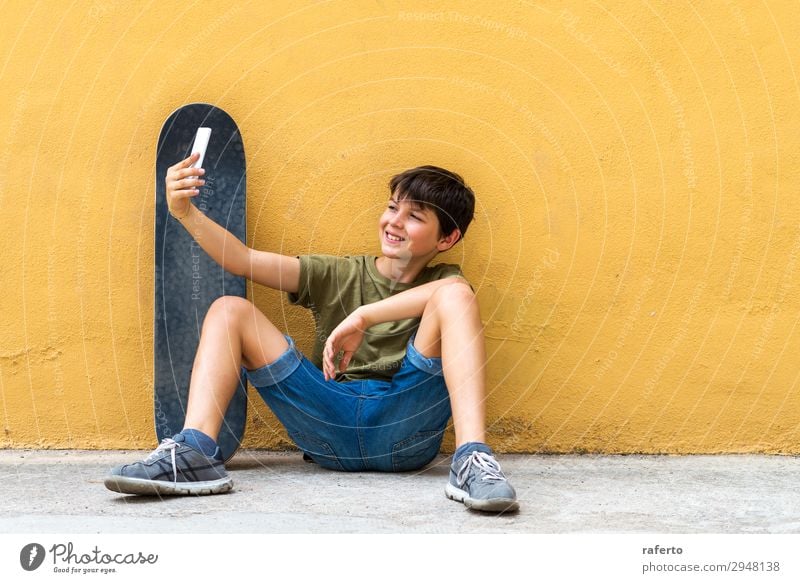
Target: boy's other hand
346, 338
183, 183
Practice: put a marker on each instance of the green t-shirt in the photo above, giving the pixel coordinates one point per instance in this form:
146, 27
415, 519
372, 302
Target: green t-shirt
333, 287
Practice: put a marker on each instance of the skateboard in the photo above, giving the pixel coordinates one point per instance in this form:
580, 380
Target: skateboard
187, 280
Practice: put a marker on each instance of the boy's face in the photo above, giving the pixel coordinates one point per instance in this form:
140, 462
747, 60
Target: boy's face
417, 228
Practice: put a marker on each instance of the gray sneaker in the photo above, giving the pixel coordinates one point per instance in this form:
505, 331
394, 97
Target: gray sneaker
173, 468
477, 480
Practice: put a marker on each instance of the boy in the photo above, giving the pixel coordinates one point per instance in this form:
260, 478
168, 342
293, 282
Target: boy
409, 335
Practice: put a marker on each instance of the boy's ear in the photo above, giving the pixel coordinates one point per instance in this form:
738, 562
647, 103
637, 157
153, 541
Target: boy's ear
446, 242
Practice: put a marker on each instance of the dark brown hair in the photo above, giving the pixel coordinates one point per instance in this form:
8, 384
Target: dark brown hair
440, 190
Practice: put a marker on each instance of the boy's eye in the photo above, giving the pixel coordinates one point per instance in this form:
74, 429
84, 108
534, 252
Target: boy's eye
417, 217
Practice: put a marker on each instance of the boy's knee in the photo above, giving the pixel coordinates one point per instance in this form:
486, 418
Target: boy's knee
230, 307
456, 295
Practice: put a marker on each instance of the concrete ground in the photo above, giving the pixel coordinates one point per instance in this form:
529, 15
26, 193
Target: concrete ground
63, 492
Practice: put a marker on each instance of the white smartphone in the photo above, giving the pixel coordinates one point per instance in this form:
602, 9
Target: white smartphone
200, 145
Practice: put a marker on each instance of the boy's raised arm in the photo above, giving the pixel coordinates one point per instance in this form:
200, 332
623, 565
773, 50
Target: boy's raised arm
269, 269
273, 270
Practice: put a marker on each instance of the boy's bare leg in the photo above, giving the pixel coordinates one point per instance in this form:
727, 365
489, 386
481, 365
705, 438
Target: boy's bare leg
235, 333
451, 329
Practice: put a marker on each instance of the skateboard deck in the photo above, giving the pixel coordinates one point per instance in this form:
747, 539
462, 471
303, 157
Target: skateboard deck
187, 280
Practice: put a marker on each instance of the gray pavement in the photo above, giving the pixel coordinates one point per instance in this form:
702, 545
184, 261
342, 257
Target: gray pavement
63, 492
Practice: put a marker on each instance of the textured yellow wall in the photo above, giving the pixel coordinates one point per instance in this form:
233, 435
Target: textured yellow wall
636, 243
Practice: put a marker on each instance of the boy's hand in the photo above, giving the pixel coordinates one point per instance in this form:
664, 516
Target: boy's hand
346, 337
182, 184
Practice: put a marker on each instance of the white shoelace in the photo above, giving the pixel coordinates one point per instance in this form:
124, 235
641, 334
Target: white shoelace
484, 462
167, 444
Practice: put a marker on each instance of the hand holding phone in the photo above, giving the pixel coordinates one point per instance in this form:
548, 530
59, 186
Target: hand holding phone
184, 178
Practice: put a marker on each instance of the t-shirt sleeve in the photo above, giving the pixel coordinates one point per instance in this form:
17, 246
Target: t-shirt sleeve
317, 274
445, 270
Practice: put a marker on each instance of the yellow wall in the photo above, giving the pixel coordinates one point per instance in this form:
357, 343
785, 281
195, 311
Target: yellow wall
636, 243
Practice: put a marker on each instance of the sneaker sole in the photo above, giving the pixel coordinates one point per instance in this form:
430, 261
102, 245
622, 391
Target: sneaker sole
490, 505
125, 485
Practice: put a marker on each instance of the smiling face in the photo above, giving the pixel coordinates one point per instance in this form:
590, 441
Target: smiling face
408, 230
